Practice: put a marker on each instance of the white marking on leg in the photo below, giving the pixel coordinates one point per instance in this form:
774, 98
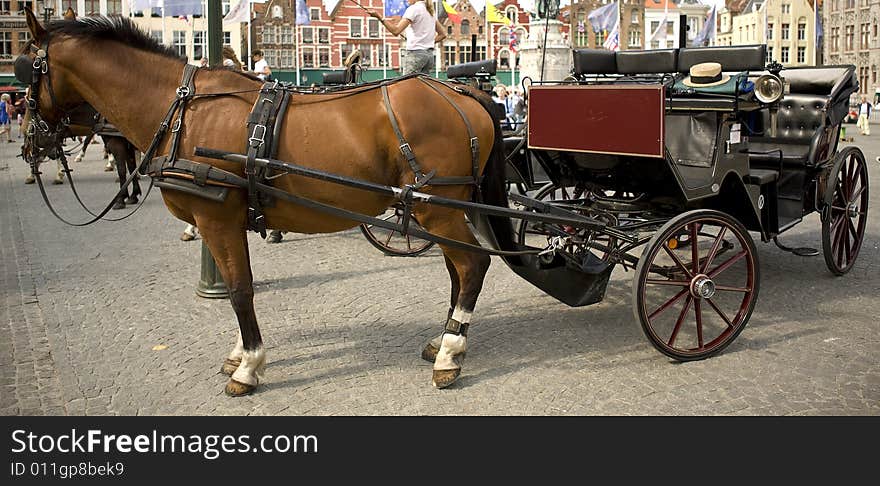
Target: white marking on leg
238, 350
452, 346
250, 371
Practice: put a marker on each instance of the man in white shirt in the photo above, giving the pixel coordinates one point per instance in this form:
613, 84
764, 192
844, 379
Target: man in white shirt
864, 115
261, 67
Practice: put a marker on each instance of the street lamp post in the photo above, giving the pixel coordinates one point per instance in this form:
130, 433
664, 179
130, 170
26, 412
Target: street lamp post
211, 283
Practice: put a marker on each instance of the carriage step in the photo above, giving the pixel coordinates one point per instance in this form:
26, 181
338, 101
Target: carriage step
761, 176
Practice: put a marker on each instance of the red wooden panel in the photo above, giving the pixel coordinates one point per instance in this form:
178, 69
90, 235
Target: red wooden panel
602, 119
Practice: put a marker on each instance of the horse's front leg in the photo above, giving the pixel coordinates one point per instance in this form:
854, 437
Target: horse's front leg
227, 241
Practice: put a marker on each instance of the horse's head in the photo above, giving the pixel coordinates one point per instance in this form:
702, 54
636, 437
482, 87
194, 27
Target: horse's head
49, 99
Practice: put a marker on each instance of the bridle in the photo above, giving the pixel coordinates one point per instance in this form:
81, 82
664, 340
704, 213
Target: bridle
44, 140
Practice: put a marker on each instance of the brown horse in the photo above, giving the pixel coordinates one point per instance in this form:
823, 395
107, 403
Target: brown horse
131, 80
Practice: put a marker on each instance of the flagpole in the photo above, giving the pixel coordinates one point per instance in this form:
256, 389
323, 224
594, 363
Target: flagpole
385, 52
296, 33
436, 55
250, 62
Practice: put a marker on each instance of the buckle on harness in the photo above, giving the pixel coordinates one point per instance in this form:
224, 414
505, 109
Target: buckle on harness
407, 152
183, 91
257, 140
176, 127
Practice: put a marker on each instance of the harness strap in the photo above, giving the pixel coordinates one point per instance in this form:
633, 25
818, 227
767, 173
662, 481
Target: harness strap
259, 123
184, 93
455, 327
405, 149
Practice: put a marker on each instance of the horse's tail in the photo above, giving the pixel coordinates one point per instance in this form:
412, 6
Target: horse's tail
494, 184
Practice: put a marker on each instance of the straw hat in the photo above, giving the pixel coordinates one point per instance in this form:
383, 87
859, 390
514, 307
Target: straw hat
704, 75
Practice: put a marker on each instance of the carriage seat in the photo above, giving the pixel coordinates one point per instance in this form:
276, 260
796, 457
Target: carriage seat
661, 61
472, 69
805, 116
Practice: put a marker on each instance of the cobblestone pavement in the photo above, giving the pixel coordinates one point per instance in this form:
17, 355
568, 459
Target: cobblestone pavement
84, 308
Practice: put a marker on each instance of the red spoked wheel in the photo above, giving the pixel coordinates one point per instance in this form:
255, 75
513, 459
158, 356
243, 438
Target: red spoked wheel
846, 210
394, 243
693, 300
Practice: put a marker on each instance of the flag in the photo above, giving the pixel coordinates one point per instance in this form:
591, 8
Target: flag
329, 5
493, 16
453, 14
820, 32
395, 8
660, 33
302, 13
612, 43
707, 33
241, 12
605, 17
183, 9
581, 27
514, 42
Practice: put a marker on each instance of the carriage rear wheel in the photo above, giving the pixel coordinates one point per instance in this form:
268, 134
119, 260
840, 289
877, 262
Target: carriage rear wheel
394, 243
846, 210
693, 300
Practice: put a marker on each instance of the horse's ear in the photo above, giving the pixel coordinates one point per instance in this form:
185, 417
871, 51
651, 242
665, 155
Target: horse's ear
69, 14
37, 30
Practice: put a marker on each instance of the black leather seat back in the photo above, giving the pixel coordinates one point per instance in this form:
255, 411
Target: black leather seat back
731, 58
594, 61
471, 69
333, 77
799, 117
647, 62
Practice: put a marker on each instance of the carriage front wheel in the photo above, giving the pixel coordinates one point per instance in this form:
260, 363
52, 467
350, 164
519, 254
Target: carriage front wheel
694, 299
846, 210
392, 242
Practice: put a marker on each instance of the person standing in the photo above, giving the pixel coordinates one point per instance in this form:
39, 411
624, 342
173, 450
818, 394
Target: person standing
422, 32
5, 125
864, 117
230, 60
261, 67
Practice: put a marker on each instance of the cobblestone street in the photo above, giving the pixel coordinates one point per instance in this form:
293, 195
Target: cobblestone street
104, 320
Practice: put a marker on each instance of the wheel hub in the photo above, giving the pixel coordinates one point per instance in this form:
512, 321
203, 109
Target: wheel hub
852, 210
702, 287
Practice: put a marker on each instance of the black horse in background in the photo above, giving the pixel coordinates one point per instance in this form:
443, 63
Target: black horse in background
124, 154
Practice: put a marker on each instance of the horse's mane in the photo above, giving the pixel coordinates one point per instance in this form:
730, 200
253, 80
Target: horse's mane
114, 28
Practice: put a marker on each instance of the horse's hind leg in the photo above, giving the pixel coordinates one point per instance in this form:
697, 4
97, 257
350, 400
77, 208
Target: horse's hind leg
471, 268
131, 164
228, 244
429, 353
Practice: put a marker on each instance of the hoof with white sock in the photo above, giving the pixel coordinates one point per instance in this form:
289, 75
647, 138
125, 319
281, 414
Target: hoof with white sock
453, 348
229, 366
248, 374
429, 354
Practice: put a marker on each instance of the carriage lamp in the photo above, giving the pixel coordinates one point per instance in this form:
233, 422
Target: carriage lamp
769, 88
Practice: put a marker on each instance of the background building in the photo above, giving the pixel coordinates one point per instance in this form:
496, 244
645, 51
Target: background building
851, 37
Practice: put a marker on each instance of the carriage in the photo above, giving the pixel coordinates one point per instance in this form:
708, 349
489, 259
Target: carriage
686, 174
646, 172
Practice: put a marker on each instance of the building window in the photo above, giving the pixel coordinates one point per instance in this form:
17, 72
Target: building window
366, 54
634, 17
277, 12
865, 36
785, 32
308, 58
850, 35
114, 7
464, 52
384, 55
65, 4
770, 52
355, 27
769, 31
178, 42
449, 30
504, 59
324, 35
511, 14
23, 38
324, 57
6, 44
286, 60
503, 37
268, 34
271, 57
635, 38
850, 4
448, 55
157, 36
314, 13
373, 27
802, 31
465, 27
784, 57
835, 39
225, 6
200, 44
93, 7
286, 35
307, 37
786, 8
227, 38
481, 53
801, 55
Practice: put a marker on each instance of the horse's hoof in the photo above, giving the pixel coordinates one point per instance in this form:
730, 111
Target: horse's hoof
131, 200
444, 378
429, 354
119, 205
229, 366
238, 389
58, 181
29, 179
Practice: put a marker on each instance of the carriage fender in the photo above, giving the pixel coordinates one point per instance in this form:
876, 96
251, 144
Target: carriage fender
735, 199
